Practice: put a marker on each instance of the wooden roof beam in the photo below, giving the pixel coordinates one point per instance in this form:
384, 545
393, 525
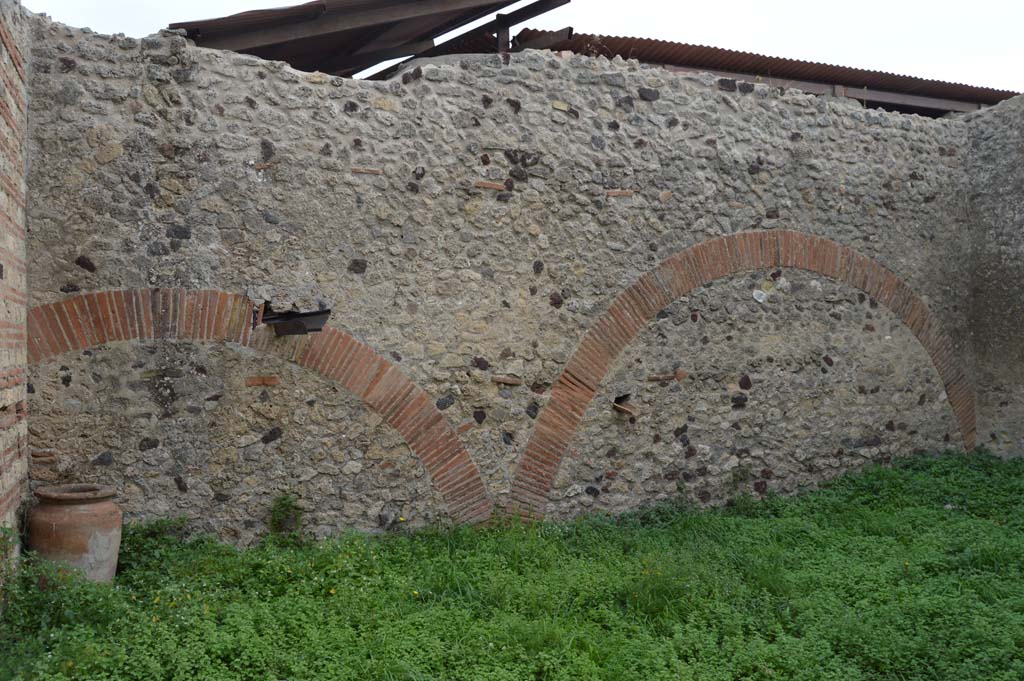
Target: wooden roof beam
511, 19
329, 23
426, 27
522, 14
348, 63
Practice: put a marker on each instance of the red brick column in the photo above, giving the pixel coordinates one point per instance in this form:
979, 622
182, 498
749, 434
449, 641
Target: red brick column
13, 296
92, 319
694, 267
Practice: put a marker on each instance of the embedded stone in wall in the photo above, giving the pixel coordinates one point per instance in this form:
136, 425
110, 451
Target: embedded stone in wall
996, 253
472, 209
800, 421
177, 431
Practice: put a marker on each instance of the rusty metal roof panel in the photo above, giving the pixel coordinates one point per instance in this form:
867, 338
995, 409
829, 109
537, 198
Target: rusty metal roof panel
337, 33
768, 68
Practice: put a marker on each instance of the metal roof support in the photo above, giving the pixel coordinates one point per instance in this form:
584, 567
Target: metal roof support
504, 40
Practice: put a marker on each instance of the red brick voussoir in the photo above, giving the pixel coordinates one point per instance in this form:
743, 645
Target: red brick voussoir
91, 319
692, 268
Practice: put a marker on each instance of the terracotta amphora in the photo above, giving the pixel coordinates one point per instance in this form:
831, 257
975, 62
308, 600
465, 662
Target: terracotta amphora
78, 525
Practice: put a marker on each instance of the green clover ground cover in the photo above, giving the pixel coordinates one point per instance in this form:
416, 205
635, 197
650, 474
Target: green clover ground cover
912, 572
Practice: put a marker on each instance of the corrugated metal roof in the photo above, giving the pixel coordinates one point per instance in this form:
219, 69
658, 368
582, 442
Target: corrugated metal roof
776, 68
781, 71
344, 36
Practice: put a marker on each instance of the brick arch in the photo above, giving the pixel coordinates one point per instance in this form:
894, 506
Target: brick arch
689, 269
94, 319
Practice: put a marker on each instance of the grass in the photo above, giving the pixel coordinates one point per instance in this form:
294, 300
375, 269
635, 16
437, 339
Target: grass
910, 572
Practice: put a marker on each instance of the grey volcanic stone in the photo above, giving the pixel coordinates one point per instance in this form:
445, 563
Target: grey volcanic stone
532, 209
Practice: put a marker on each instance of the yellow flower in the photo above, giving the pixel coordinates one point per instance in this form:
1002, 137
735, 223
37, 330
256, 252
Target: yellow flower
401, 519
331, 592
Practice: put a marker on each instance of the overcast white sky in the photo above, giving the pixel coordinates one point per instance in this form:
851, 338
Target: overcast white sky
979, 42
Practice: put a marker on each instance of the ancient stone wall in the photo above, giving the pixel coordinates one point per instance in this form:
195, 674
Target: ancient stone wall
14, 47
555, 283
996, 199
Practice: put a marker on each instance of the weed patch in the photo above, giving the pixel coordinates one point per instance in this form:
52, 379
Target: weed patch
911, 572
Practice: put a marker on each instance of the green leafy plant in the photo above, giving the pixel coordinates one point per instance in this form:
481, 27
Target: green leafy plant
8, 543
286, 517
8, 540
151, 542
912, 572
